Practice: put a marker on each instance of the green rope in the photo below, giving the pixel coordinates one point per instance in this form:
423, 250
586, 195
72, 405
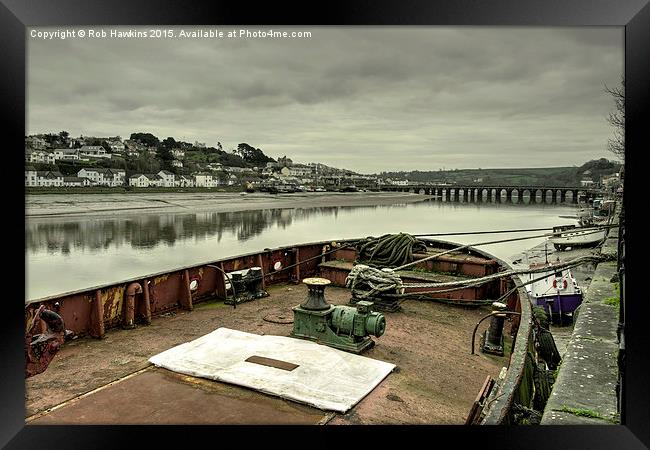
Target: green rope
389, 250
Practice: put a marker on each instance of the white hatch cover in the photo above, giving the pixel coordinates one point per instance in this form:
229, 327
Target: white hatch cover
290, 368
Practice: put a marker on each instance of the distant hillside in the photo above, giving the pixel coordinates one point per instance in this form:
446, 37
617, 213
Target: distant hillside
546, 176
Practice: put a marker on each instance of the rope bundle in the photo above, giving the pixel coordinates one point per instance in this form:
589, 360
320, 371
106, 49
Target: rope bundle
389, 250
365, 281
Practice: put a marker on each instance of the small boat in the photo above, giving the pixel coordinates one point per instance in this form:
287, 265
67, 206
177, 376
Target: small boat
574, 236
558, 293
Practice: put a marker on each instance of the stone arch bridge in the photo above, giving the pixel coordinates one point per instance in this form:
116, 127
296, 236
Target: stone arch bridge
500, 193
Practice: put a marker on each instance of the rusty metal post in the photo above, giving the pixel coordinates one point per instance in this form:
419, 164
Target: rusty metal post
147, 301
129, 305
261, 266
186, 296
297, 263
98, 329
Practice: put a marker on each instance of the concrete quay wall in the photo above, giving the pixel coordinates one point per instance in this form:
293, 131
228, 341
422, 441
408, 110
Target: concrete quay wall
584, 392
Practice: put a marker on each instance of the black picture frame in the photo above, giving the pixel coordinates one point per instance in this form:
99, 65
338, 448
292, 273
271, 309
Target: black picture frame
17, 15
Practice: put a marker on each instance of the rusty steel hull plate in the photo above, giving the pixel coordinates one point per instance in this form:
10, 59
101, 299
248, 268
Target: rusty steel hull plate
160, 397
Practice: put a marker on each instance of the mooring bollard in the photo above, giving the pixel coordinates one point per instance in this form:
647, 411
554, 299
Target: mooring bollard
493, 337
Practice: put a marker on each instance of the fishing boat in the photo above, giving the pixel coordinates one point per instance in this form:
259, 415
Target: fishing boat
555, 290
565, 236
150, 349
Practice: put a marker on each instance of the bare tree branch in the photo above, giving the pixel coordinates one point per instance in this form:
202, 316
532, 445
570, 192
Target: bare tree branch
616, 144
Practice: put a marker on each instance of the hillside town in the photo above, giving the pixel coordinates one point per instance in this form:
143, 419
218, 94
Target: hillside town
143, 161
61, 161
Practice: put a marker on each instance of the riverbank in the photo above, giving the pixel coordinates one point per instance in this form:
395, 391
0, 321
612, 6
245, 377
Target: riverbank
584, 391
54, 205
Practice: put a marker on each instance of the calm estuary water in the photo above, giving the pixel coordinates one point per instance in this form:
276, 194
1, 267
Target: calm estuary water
65, 254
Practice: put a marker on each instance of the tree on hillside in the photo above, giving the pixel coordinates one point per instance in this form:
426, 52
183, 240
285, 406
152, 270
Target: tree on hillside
164, 154
63, 137
169, 143
616, 118
144, 163
252, 155
232, 160
146, 139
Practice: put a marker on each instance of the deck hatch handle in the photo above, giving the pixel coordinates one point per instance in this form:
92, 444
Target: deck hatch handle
270, 362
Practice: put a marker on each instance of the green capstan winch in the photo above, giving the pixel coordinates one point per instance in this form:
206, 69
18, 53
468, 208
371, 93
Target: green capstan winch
344, 327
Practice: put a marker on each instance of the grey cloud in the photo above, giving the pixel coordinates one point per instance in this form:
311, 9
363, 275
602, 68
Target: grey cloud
353, 97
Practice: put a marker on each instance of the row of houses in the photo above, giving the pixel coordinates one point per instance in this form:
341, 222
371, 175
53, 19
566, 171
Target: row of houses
165, 178
117, 177
85, 177
85, 153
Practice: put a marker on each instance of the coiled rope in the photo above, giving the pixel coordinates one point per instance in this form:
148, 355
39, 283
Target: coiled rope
389, 250
365, 281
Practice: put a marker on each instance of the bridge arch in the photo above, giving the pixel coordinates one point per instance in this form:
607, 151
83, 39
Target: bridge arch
514, 196
548, 196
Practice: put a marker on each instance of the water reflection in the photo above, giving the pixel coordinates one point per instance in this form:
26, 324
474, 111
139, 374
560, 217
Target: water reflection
66, 254
151, 230
148, 231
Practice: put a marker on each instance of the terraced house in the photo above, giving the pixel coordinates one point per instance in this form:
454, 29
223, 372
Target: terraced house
103, 177
145, 180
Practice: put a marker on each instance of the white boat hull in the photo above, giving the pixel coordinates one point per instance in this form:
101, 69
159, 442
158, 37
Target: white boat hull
578, 238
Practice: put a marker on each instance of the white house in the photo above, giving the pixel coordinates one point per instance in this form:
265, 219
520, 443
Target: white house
103, 177
96, 151
68, 154
184, 181
138, 180
154, 180
116, 146
76, 181
35, 142
167, 178
49, 178
178, 153
177, 163
133, 148
204, 180
145, 180
31, 176
297, 170
238, 169
39, 156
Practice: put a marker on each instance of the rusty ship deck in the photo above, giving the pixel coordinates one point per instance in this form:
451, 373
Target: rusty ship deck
103, 376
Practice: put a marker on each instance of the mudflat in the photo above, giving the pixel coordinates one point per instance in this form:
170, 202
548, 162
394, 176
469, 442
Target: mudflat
56, 205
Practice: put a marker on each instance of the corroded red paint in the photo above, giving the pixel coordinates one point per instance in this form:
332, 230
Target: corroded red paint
41, 348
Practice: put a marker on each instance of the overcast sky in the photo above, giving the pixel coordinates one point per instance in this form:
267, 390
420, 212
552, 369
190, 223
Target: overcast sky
366, 99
